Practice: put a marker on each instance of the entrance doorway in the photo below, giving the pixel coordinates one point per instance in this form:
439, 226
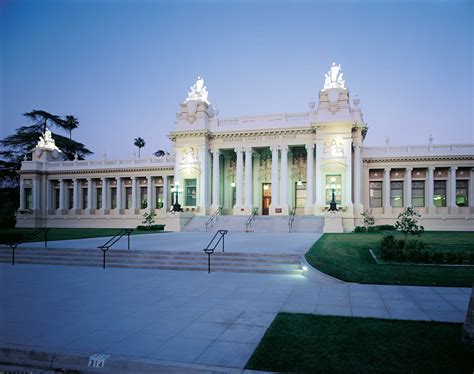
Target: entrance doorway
266, 198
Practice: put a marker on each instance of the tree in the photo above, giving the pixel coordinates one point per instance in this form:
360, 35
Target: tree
140, 143
367, 219
407, 222
71, 123
161, 153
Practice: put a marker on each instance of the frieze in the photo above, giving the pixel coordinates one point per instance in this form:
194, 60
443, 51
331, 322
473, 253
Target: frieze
246, 139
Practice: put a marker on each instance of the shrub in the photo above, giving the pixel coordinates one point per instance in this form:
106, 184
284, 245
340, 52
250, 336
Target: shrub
151, 227
360, 229
407, 223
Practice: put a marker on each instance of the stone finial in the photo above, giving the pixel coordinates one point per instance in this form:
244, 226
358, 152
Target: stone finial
430, 140
387, 141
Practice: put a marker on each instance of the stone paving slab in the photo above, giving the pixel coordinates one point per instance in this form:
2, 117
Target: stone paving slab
186, 317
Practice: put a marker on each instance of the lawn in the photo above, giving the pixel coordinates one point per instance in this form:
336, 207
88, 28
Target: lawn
73, 233
309, 343
346, 256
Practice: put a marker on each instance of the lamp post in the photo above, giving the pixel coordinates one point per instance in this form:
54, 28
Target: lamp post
176, 190
333, 187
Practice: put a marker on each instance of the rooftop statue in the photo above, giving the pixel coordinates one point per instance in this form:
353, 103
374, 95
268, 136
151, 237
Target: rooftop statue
47, 142
333, 78
198, 91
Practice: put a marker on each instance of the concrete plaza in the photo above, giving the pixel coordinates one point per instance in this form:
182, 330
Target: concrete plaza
186, 319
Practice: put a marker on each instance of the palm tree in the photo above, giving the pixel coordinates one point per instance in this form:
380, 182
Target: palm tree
140, 143
70, 123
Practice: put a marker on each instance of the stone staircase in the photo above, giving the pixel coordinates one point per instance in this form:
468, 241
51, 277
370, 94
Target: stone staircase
153, 259
262, 224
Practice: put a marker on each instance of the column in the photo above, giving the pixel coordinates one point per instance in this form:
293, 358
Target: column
62, 191
36, 193
119, 192
165, 193
248, 177
238, 178
357, 172
471, 189
309, 176
408, 186
386, 191
49, 195
215, 178
275, 189
430, 193
347, 196
90, 189
22, 193
452, 189
319, 178
134, 192
284, 175
203, 185
104, 194
75, 194
149, 192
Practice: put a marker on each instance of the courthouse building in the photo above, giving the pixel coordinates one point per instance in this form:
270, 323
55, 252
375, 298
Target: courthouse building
276, 164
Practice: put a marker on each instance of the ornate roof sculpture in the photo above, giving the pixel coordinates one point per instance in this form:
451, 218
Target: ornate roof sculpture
198, 91
46, 142
333, 78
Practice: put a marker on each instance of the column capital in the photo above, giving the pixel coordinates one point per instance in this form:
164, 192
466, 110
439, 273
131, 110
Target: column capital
248, 149
309, 147
149, 177
409, 169
274, 148
431, 168
453, 168
103, 179
284, 148
118, 179
387, 169
89, 179
133, 178
356, 144
215, 151
238, 149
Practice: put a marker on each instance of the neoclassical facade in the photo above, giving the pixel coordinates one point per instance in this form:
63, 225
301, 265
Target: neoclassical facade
275, 164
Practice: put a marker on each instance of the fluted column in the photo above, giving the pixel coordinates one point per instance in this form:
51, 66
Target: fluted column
62, 192
22, 193
452, 189
357, 172
386, 192
90, 189
149, 192
309, 177
49, 195
119, 192
347, 194
275, 189
36, 193
238, 178
284, 175
430, 193
319, 178
134, 192
408, 186
165, 193
75, 194
248, 177
215, 178
104, 194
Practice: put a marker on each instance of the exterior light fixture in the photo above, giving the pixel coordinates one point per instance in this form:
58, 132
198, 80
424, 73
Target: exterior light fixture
232, 184
332, 204
176, 190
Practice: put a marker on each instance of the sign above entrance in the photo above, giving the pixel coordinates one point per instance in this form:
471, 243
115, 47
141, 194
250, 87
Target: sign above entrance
258, 138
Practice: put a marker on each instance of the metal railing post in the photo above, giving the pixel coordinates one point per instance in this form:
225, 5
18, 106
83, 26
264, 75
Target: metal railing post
13, 246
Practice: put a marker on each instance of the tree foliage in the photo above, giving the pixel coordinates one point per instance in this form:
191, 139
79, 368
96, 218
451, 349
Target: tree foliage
367, 218
407, 223
140, 143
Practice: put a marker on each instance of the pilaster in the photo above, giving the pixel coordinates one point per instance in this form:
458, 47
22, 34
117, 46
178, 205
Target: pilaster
309, 208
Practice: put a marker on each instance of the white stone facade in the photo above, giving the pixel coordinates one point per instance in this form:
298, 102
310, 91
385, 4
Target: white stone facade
275, 163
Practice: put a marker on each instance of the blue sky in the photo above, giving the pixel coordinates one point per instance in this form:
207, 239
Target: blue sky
123, 67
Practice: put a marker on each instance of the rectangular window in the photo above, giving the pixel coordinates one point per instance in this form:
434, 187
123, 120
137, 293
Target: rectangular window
128, 197
396, 194
28, 198
333, 182
300, 194
56, 198
143, 197
84, 198
375, 194
113, 197
159, 195
418, 193
439, 196
462, 187
70, 198
98, 198
190, 192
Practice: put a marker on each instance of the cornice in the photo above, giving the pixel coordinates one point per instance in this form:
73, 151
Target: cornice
416, 158
262, 132
96, 171
188, 134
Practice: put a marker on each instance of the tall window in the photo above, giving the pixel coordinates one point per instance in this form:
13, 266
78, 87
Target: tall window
418, 193
190, 192
159, 197
70, 198
396, 194
113, 197
375, 194
143, 197
300, 194
84, 198
128, 197
462, 187
439, 196
98, 198
333, 181
28, 198
56, 198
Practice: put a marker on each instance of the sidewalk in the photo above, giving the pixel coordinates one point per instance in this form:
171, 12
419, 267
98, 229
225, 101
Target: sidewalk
184, 316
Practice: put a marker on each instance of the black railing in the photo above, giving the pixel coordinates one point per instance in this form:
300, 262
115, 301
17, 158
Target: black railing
213, 217
251, 219
17, 238
105, 247
292, 219
209, 250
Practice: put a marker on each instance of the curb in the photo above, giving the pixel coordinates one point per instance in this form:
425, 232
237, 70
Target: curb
315, 274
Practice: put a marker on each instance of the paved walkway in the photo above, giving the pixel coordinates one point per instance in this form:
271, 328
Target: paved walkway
185, 316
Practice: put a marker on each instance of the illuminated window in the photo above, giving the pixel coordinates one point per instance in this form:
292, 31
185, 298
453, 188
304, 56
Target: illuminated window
128, 197
190, 192
418, 193
462, 187
113, 197
159, 197
375, 194
396, 194
439, 196
143, 197
333, 182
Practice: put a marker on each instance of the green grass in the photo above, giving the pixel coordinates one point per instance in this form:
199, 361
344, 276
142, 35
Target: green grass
346, 256
309, 343
66, 233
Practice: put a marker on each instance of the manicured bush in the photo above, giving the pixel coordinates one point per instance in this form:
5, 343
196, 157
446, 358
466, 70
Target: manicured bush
151, 227
360, 229
380, 228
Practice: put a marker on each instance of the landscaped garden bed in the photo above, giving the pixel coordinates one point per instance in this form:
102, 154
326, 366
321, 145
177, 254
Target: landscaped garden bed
310, 343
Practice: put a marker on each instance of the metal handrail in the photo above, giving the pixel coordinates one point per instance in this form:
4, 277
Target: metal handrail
213, 216
292, 219
251, 219
210, 250
105, 247
14, 244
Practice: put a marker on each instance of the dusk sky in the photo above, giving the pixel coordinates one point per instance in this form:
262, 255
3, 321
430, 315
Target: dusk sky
124, 67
